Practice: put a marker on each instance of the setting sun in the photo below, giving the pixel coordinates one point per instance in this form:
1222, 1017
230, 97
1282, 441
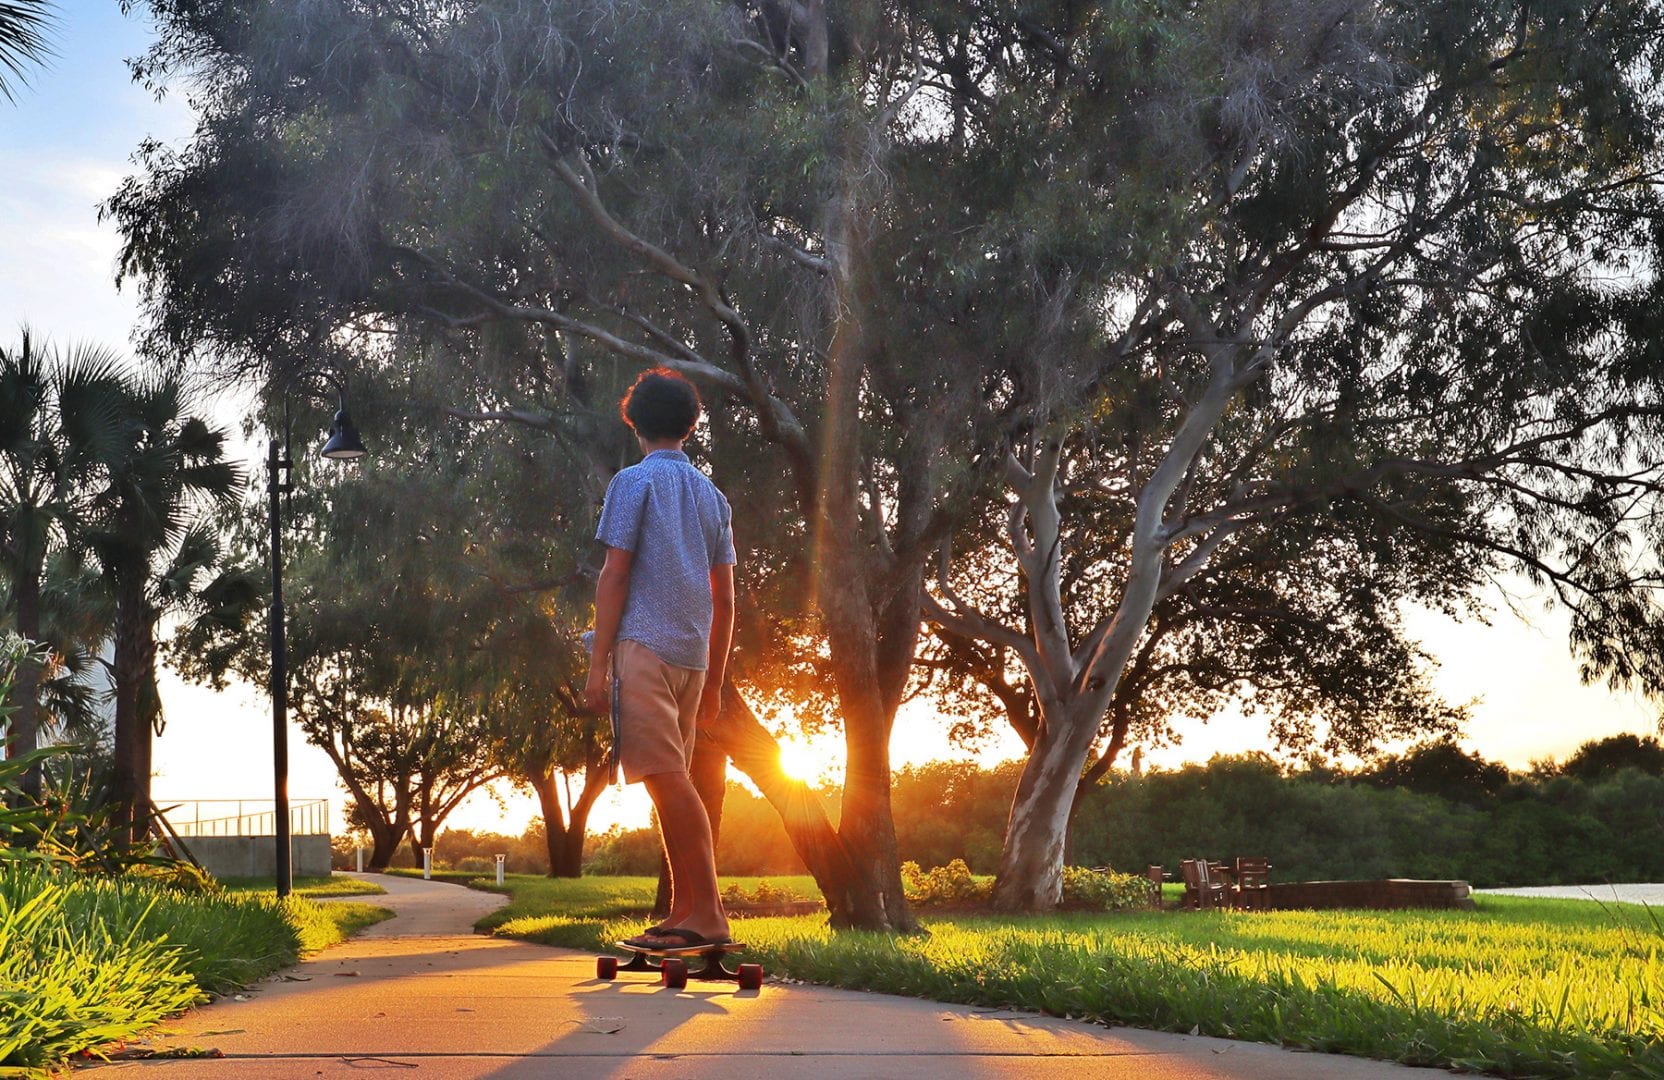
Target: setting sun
800, 761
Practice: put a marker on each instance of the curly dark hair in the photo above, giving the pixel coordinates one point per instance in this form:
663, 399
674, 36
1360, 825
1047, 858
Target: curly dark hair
661, 405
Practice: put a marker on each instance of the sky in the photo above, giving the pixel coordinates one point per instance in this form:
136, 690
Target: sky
66, 144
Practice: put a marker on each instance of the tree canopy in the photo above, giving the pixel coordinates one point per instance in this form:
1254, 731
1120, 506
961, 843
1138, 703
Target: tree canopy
1334, 302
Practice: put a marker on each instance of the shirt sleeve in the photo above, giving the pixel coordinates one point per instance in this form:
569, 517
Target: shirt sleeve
621, 512
722, 554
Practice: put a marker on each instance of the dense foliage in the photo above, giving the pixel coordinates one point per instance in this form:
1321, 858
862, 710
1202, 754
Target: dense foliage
1548, 828
1433, 811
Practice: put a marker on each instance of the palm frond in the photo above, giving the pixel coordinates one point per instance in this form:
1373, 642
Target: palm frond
25, 26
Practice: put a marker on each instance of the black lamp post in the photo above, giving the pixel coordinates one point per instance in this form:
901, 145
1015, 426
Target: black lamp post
343, 445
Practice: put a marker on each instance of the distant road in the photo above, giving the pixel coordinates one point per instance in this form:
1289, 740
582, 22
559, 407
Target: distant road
1627, 894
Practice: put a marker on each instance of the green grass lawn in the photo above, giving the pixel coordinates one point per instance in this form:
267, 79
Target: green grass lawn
307, 886
323, 925
605, 898
1520, 987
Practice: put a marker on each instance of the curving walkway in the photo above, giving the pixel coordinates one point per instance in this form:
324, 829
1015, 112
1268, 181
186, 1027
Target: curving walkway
1652, 895
419, 996
423, 908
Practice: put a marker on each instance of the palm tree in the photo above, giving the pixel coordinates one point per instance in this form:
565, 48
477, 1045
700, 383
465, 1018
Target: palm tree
60, 418
157, 553
23, 25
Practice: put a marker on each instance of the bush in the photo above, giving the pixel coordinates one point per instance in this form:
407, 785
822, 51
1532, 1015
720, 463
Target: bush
950, 884
625, 853
764, 893
1544, 831
1104, 890
465, 849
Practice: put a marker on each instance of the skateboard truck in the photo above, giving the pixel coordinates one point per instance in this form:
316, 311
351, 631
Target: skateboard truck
673, 966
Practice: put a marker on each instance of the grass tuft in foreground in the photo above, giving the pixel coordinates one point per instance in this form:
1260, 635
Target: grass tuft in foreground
86, 961
1518, 987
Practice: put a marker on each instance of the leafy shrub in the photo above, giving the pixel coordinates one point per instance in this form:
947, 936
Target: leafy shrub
765, 892
1104, 890
950, 884
466, 849
625, 853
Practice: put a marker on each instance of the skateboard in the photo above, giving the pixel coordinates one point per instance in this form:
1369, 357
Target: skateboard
672, 965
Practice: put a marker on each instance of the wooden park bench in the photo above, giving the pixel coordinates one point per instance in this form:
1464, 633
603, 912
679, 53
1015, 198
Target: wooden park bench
1202, 890
1253, 884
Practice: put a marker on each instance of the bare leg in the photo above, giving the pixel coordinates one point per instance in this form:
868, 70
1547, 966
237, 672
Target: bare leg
695, 903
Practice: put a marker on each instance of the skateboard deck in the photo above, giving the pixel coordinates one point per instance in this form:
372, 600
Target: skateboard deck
684, 950
673, 968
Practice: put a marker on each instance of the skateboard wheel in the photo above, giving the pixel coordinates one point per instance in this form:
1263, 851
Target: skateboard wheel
750, 976
674, 973
606, 967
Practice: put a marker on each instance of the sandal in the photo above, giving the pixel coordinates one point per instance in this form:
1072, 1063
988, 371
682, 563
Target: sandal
687, 939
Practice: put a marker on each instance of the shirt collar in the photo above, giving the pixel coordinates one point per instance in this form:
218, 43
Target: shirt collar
673, 455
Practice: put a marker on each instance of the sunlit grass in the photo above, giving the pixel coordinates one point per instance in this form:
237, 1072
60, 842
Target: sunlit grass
1521, 987
605, 898
307, 886
86, 961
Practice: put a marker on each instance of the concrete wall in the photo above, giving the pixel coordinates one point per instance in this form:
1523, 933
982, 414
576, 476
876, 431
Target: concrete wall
256, 856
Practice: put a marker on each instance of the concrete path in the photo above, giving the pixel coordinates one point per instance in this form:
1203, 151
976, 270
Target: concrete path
475, 1008
1623, 894
424, 908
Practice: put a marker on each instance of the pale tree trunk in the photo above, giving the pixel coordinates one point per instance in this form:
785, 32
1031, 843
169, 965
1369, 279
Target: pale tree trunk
1074, 688
1036, 834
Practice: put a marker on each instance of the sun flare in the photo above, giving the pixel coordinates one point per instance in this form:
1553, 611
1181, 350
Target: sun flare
800, 761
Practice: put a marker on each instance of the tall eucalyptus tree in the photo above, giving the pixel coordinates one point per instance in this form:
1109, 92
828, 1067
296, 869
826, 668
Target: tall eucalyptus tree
1402, 274
1293, 256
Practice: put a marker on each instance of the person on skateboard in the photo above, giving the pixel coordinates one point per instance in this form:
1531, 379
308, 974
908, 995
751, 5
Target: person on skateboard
664, 618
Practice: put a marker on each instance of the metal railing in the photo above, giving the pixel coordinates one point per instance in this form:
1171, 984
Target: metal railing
246, 817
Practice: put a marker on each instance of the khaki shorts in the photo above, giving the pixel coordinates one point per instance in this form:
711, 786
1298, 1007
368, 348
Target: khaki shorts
658, 712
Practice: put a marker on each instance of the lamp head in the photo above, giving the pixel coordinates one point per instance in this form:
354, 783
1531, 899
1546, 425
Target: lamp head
344, 443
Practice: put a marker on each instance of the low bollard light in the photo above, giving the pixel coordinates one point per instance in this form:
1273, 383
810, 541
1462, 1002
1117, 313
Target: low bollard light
427, 864
500, 860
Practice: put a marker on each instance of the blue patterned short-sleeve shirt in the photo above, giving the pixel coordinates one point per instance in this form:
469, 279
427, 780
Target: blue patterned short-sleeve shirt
678, 525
